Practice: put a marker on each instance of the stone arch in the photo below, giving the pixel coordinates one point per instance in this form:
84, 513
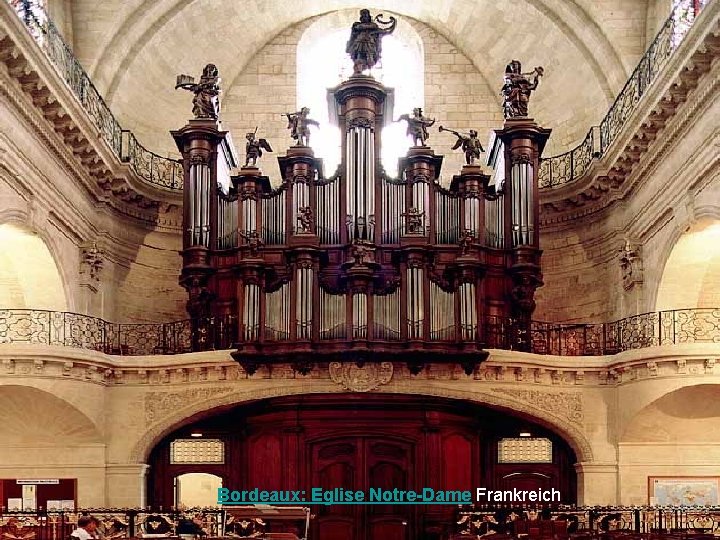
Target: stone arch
680, 415
691, 271
30, 267
32, 416
568, 428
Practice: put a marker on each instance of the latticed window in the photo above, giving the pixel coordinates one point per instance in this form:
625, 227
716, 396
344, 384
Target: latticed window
525, 450
197, 451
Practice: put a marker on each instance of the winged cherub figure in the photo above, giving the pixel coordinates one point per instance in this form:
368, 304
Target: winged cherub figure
254, 148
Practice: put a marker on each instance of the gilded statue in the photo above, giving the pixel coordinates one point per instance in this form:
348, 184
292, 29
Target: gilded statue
206, 103
254, 148
365, 43
417, 126
517, 87
299, 126
468, 143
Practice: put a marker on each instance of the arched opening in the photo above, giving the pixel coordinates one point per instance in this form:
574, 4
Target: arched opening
680, 417
691, 278
322, 64
197, 490
47, 435
29, 277
363, 441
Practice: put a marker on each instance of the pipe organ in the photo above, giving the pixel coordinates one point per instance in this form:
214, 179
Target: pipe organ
361, 266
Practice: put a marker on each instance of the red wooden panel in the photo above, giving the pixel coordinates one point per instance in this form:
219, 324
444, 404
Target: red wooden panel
266, 463
457, 463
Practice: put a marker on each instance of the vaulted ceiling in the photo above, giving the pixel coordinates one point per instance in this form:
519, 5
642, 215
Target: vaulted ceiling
133, 49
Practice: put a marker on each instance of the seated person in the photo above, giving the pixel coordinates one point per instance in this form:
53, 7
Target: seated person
187, 526
86, 527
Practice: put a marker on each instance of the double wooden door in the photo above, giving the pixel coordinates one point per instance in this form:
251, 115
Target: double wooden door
362, 463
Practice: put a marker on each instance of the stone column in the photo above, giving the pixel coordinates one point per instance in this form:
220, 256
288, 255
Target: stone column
126, 485
597, 483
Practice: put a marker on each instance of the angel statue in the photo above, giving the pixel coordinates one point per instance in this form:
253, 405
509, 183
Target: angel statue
468, 142
517, 87
365, 43
417, 126
299, 126
254, 148
206, 103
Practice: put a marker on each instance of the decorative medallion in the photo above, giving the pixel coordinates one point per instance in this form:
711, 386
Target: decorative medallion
361, 379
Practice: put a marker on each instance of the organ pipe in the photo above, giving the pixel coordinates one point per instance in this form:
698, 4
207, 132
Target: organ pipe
522, 204
386, 316
304, 302
360, 197
415, 303
442, 313
468, 311
332, 315
277, 314
251, 311
359, 315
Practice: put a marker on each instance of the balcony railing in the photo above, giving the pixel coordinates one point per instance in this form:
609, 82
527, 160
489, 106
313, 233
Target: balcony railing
567, 167
28, 326
165, 172
152, 168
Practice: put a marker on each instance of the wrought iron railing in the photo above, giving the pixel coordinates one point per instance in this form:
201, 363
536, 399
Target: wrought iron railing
155, 169
27, 326
596, 522
113, 522
567, 167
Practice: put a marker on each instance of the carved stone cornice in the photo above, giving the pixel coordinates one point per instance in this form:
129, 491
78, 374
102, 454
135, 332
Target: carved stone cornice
671, 104
528, 371
33, 87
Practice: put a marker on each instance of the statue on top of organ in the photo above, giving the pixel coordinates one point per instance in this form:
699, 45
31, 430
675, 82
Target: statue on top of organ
417, 125
468, 143
360, 266
206, 103
299, 126
365, 43
254, 148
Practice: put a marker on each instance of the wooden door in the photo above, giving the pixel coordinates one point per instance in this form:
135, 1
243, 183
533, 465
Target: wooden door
361, 463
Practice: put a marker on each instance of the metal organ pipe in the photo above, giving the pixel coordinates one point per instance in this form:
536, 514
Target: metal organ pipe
199, 204
522, 204
328, 196
359, 311
273, 210
251, 311
495, 223
386, 316
360, 168
442, 314
472, 215
393, 196
468, 312
447, 218
332, 315
304, 303
277, 314
415, 304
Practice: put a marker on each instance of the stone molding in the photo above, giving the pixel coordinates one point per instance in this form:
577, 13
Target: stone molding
36, 91
649, 133
41, 361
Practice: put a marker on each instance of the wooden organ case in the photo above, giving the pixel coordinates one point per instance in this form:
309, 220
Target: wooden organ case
360, 266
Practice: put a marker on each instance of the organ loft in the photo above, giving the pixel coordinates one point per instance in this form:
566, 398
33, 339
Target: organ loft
358, 265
